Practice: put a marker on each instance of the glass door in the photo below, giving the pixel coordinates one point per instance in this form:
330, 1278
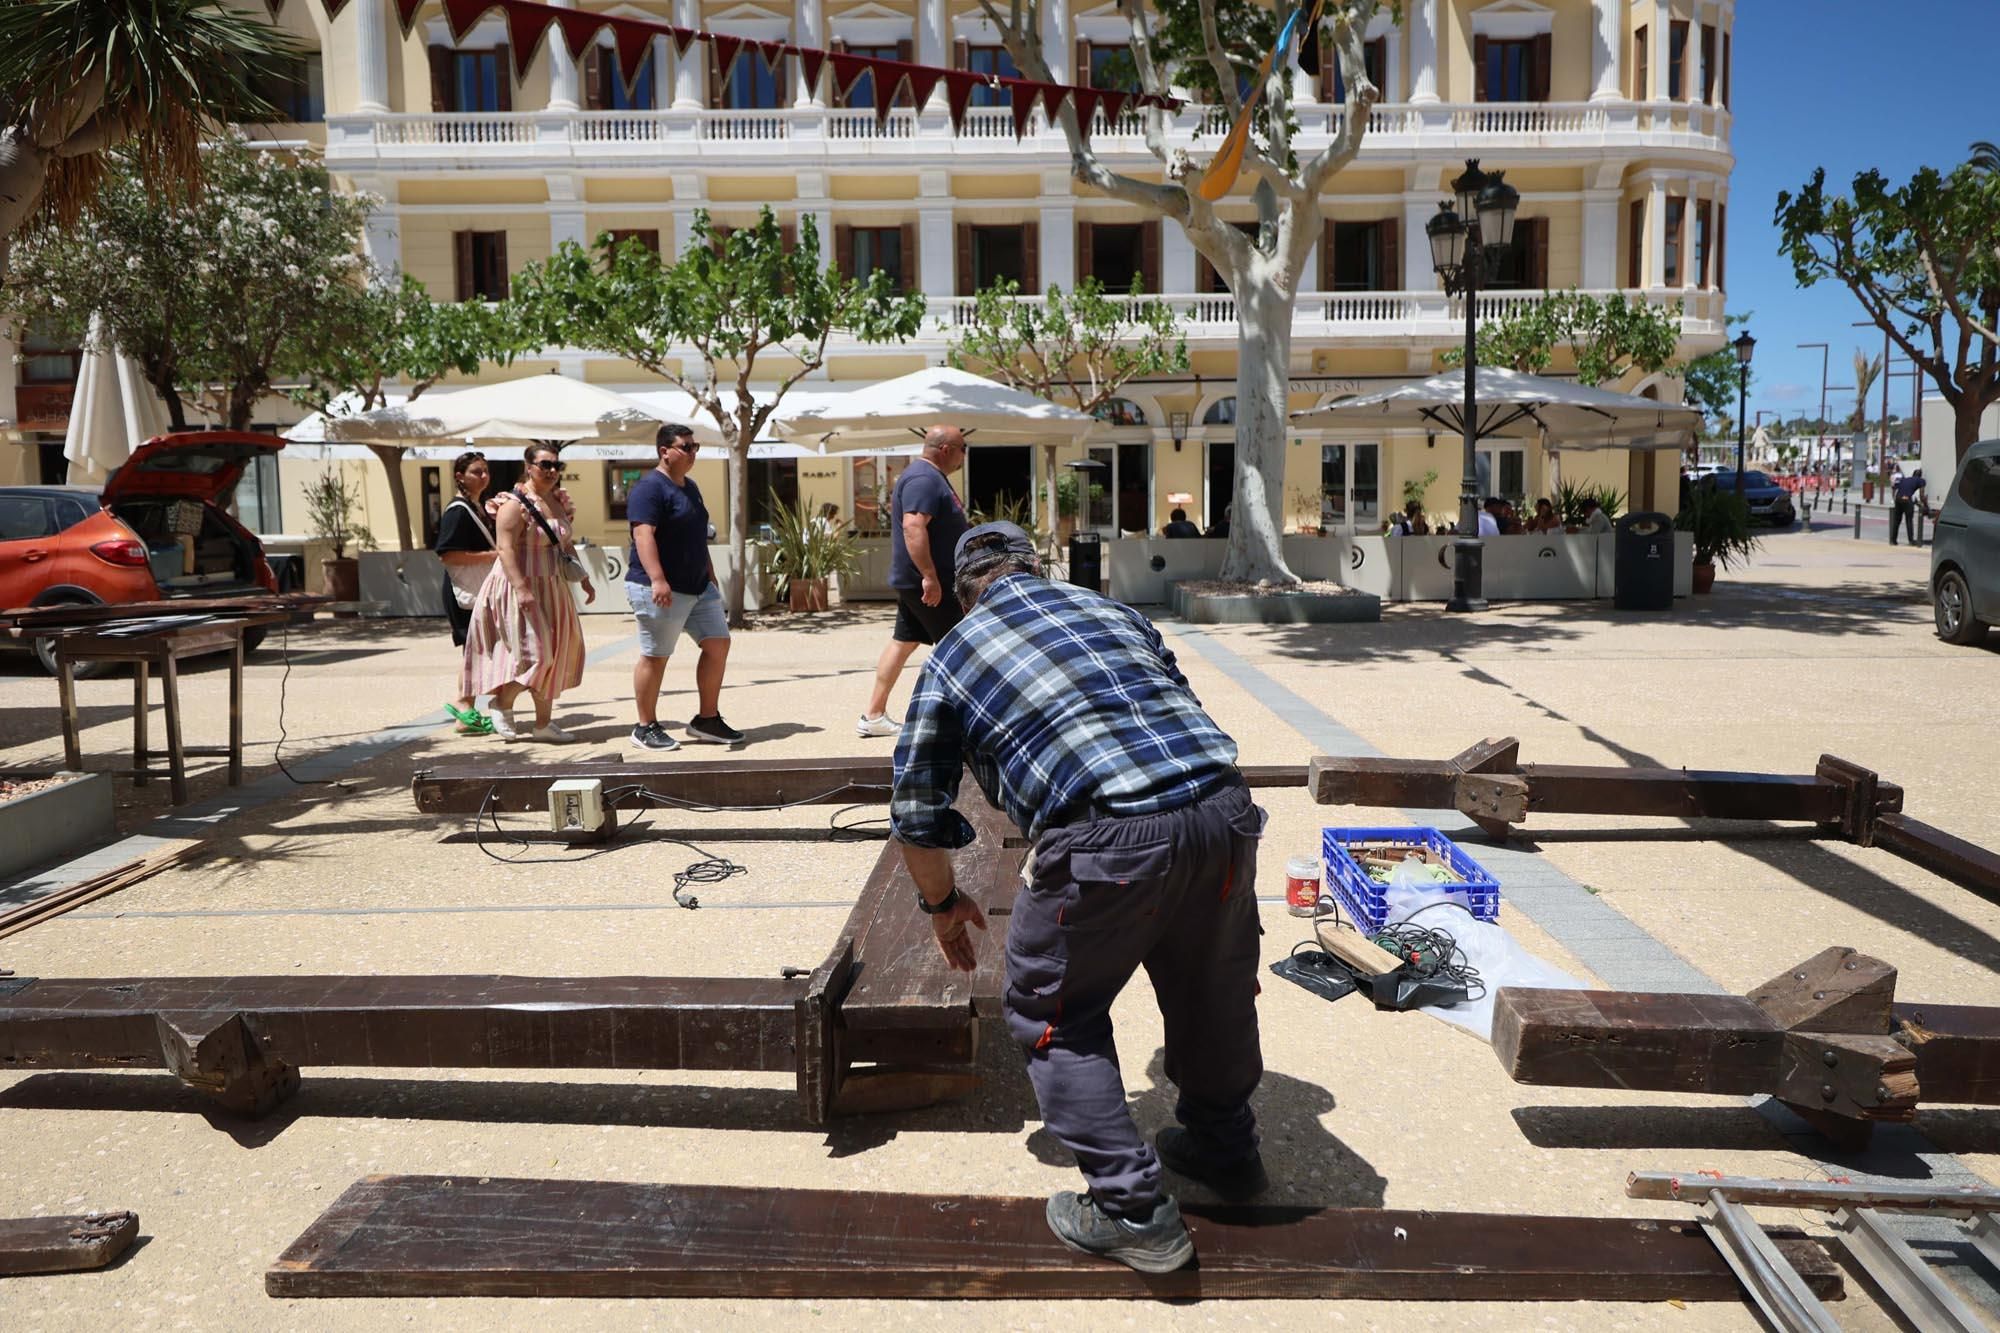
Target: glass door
1503, 471
1350, 491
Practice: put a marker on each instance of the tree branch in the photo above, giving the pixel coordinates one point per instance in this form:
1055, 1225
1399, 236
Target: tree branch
1218, 60
1362, 95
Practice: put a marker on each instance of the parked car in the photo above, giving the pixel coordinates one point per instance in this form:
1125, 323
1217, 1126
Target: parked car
1965, 549
77, 545
1769, 501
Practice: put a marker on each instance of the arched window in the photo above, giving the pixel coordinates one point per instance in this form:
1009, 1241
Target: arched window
1120, 412
1223, 413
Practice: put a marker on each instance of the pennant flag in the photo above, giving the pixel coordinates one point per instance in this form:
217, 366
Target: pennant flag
847, 71
726, 48
1228, 162
406, 14
811, 61
1021, 101
1112, 104
1052, 99
634, 43
461, 15
579, 29
683, 38
923, 82
774, 57
1085, 102
527, 29
888, 78
958, 86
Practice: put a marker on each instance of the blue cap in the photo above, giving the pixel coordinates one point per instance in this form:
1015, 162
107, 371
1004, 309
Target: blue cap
1013, 540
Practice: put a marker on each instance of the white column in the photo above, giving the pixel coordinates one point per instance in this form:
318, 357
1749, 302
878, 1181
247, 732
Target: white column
1600, 240
1690, 277
663, 73
1058, 247
382, 240
1418, 275
566, 224
934, 43
690, 68
564, 90
808, 29
1423, 51
671, 245
937, 251
1656, 234
1694, 67
371, 55
1176, 260
1058, 40
1608, 51
1656, 49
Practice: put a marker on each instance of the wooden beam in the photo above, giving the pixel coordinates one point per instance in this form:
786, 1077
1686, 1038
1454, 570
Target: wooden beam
1641, 1041
1824, 1195
470, 1236
1957, 1048
1836, 990
1965, 864
69, 1244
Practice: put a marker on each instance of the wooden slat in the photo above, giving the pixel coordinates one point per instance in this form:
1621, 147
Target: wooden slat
1965, 864
438, 1236
67, 1244
1957, 1048
1622, 1039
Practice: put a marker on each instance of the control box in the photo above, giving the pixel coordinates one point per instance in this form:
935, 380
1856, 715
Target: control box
576, 805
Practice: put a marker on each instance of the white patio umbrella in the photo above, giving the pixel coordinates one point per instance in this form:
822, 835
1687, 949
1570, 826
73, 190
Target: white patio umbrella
113, 412
535, 407
892, 413
1513, 405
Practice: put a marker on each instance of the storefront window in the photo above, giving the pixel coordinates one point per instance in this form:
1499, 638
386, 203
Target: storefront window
619, 479
874, 478
1350, 487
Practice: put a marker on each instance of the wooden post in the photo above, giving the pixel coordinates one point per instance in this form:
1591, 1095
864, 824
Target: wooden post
170, 687
66, 686
141, 705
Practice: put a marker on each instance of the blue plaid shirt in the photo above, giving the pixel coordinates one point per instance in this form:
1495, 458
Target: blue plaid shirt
1060, 701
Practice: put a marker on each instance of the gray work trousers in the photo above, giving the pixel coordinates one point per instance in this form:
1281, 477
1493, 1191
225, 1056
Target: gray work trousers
1175, 893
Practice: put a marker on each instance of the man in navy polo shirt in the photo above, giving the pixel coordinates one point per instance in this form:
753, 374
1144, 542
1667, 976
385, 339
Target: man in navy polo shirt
926, 520
670, 582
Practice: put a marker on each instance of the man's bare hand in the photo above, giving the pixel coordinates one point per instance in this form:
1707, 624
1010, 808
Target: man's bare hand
954, 938
933, 592
663, 593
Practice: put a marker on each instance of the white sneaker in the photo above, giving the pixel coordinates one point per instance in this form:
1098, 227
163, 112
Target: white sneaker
553, 734
877, 726
503, 725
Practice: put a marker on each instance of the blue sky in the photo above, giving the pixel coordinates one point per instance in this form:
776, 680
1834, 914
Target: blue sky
1844, 84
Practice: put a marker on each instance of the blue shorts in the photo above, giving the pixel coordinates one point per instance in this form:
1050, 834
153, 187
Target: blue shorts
702, 616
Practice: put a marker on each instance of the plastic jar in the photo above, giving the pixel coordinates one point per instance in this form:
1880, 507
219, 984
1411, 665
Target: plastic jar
1302, 885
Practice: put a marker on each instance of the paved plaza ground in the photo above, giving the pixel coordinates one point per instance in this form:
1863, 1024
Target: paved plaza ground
1824, 646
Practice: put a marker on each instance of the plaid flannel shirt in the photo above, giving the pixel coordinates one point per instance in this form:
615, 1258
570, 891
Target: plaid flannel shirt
1063, 704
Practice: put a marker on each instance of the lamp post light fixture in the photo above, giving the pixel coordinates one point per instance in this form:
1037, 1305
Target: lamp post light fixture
1177, 427
1745, 345
1467, 241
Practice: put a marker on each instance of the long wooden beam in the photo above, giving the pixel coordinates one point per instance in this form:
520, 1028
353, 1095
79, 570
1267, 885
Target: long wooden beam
473, 1236
1965, 864
514, 787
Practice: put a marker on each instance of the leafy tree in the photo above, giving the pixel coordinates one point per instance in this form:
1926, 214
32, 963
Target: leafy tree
1607, 335
81, 77
727, 300
382, 332
1216, 47
1078, 349
213, 296
1713, 381
1923, 259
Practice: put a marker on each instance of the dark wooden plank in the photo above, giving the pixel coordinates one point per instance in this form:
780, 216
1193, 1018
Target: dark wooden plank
465, 1022
1848, 1074
60, 617
511, 786
437, 1236
1957, 1048
1412, 784
1622, 1039
821, 1060
68, 1244
1836, 990
1965, 864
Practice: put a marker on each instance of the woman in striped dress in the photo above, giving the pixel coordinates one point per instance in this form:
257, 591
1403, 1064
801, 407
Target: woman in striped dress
526, 634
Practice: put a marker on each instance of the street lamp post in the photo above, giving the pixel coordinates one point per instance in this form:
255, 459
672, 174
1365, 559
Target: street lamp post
1466, 243
1745, 345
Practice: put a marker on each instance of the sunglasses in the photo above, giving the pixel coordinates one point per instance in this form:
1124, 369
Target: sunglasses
685, 443
548, 464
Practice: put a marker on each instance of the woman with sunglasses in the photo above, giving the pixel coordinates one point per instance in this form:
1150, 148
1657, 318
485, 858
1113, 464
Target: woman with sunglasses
465, 545
526, 635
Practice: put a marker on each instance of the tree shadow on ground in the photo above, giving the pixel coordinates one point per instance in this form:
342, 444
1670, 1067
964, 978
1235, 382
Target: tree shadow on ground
1307, 1163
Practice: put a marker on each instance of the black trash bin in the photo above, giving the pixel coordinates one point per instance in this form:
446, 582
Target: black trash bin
1643, 563
1086, 560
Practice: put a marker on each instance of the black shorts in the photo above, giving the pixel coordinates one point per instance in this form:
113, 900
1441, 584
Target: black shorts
917, 623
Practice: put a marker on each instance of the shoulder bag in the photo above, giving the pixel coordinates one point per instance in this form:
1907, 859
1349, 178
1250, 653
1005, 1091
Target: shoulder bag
465, 579
571, 567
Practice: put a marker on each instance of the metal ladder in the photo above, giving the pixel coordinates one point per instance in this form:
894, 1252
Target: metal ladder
1911, 1286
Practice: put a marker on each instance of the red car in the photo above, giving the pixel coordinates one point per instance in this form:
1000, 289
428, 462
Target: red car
156, 530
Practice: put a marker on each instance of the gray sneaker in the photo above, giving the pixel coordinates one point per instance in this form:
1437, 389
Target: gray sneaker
1160, 1244
653, 736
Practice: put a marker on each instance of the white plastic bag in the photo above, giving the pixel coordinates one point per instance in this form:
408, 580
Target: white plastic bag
1497, 956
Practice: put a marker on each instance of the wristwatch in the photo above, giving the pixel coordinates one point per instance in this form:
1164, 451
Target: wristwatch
943, 905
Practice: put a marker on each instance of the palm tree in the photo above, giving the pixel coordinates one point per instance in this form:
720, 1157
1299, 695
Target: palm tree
1866, 370
1986, 156
81, 77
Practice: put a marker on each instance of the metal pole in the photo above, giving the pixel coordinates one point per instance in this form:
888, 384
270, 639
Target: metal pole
1742, 403
1885, 409
1468, 575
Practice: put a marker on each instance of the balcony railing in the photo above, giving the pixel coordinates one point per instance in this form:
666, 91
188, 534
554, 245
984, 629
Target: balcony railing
1441, 128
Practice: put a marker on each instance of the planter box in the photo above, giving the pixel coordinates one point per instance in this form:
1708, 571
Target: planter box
1276, 608
55, 823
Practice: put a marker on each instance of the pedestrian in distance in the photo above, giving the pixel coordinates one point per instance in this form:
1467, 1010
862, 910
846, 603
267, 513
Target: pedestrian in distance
1145, 855
1904, 513
926, 519
670, 583
1177, 525
1410, 522
466, 547
526, 636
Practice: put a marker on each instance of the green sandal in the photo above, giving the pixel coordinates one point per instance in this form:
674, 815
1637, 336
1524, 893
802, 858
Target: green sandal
471, 722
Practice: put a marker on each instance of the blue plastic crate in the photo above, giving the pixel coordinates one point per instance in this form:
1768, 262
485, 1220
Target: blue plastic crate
1362, 898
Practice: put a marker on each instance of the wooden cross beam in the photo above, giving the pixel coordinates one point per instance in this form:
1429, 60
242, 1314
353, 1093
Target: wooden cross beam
474, 1236
1826, 1038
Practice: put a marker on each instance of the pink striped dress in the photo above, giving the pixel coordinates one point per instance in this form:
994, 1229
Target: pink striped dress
539, 647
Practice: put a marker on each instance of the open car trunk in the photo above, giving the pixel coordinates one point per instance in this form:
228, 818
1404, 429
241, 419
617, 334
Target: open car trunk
216, 560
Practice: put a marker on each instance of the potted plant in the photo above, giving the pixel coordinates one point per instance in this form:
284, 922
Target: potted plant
806, 554
1068, 493
1719, 521
330, 515
1569, 502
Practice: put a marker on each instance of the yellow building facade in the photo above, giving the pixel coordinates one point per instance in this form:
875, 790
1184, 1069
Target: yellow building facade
1611, 117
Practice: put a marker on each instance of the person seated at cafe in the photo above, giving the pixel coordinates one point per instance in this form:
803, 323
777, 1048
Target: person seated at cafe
1178, 526
1411, 522
1221, 529
1545, 518
1489, 516
1595, 520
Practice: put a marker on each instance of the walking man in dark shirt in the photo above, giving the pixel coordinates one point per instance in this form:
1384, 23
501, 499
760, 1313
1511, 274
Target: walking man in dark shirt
1904, 515
925, 521
670, 582
1076, 721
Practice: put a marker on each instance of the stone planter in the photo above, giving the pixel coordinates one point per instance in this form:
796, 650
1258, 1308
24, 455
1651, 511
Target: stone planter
343, 582
55, 823
1275, 608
